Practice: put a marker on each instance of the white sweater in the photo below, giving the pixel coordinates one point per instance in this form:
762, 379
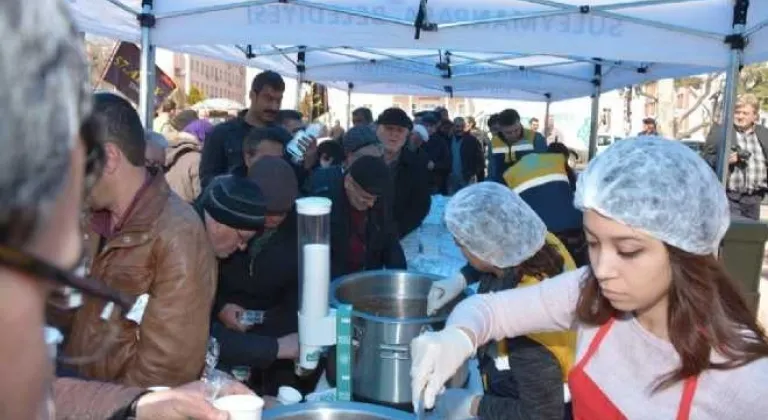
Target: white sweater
629, 360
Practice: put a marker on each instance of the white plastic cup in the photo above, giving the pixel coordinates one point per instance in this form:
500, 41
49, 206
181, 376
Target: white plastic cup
288, 396
241, 407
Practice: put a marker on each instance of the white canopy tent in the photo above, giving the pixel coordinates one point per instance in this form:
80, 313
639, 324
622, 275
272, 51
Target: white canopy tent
672, 31
463, 72
700, 33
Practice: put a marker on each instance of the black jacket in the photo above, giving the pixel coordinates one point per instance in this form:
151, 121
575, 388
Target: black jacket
714, 138
266, 280
412, 197
472, 157
532, 384
383, 248
223, 150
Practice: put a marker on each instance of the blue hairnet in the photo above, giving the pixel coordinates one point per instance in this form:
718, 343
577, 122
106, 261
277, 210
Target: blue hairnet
495, 224
661, 187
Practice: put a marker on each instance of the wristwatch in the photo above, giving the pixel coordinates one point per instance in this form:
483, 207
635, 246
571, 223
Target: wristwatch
128, 412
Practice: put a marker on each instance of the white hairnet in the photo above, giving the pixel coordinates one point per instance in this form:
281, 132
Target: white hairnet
495, 224
659, 186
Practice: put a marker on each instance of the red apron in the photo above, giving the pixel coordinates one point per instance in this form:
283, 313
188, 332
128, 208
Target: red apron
590, 403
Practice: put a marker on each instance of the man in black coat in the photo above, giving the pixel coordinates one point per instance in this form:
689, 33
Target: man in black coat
254, 313
747, 180
410, 175
467, 160
438, 155
363, 235
223, 148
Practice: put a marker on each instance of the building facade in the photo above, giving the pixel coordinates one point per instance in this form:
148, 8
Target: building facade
457, 107
213, 78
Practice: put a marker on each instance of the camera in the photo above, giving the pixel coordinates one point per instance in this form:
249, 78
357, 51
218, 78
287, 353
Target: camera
743, 155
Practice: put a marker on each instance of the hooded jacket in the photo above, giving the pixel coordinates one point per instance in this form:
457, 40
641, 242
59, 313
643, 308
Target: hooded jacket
182, 165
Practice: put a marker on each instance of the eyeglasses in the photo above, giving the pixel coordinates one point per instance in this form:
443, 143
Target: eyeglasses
27, 264
91, 133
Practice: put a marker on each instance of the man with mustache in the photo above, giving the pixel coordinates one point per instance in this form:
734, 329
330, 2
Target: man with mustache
223, 149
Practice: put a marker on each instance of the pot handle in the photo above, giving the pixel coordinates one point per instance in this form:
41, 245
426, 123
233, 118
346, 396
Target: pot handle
394, 352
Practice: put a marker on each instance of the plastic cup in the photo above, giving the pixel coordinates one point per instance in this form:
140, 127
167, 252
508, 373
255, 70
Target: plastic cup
288, 396
241, 407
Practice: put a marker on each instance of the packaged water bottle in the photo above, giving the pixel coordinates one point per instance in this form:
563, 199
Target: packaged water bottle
301, 141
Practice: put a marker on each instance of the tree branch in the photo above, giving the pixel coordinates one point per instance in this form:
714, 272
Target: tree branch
700, 100
690, 131
641, 91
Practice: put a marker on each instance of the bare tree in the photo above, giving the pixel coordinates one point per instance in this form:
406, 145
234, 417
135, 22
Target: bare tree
703, 89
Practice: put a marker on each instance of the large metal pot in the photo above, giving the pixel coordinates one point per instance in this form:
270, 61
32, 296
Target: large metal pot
389, 310
335, 411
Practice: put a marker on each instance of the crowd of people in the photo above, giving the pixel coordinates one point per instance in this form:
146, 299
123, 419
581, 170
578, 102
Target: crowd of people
144, 247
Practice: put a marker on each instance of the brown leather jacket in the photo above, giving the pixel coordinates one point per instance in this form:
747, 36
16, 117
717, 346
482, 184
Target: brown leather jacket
76, 399
162, 249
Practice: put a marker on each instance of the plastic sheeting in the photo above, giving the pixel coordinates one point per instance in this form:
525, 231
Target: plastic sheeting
670, 31
431, 248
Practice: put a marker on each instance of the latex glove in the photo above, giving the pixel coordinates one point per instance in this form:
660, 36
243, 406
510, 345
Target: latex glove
436, 358
455, 404
444, 291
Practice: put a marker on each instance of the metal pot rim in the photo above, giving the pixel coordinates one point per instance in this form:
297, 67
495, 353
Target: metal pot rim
335, 284
382, 411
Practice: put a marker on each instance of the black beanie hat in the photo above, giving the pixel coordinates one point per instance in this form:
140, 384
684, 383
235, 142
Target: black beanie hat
371, 173
236, 202
395, 116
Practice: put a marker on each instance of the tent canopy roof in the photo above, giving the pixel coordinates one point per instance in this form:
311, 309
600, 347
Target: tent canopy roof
369, 43
670, 31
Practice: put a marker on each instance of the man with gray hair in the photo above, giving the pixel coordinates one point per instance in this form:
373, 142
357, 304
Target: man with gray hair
52, 153
747, 181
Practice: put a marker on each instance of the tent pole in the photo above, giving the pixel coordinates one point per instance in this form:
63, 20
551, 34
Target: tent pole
147, 66
546, 113
301, 68
350, 86
737, 42
597, 82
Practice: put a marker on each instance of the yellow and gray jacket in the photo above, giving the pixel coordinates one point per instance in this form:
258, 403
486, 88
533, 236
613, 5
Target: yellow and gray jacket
524, 377
542, 181
502, 155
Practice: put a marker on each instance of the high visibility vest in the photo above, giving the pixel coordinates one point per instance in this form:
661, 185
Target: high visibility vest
562, 344
541, 181
512, 153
